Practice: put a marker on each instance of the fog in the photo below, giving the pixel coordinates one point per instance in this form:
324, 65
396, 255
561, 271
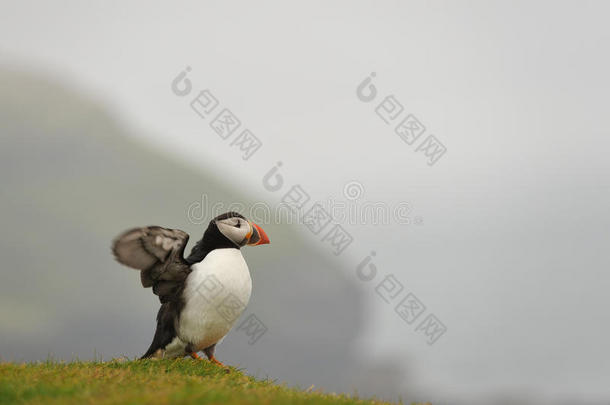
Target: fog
502, 238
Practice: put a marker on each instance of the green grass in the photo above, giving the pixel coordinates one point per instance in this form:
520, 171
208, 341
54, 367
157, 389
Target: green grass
182, 381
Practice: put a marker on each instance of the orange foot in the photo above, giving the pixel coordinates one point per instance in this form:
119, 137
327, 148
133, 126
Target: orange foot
211, 358
215, 361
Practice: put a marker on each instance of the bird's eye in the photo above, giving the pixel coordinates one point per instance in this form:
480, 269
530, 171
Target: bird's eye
238, 224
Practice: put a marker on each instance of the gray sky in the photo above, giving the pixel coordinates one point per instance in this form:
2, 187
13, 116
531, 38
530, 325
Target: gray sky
512, 253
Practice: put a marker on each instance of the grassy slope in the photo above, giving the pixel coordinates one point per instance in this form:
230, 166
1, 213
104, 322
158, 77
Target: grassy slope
147, 381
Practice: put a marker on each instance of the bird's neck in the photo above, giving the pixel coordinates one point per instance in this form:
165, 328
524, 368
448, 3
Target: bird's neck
209, 242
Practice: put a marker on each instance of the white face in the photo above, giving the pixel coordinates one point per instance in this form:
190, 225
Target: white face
236, 229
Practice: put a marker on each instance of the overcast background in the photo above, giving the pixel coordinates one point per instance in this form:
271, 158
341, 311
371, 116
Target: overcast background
510, 249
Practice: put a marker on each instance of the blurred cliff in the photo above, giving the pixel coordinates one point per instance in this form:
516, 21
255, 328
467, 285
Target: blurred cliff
72, 179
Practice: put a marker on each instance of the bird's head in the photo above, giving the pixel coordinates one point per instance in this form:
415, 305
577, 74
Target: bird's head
238, 230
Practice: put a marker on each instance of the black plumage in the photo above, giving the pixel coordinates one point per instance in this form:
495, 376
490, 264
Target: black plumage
159, 255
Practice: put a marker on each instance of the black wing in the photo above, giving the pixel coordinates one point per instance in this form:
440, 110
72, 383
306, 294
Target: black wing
159, 255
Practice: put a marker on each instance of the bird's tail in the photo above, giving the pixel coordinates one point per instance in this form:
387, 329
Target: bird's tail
165, 332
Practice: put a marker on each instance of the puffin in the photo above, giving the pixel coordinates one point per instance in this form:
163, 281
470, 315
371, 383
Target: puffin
202, 295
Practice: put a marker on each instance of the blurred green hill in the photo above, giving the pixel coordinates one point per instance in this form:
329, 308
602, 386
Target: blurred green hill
73, 178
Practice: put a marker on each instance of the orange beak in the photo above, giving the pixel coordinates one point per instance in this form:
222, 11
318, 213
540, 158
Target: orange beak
257, 236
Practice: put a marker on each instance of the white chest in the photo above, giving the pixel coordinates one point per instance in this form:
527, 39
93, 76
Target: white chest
216, 293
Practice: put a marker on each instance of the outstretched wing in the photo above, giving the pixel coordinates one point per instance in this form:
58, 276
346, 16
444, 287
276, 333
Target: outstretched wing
159, 255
